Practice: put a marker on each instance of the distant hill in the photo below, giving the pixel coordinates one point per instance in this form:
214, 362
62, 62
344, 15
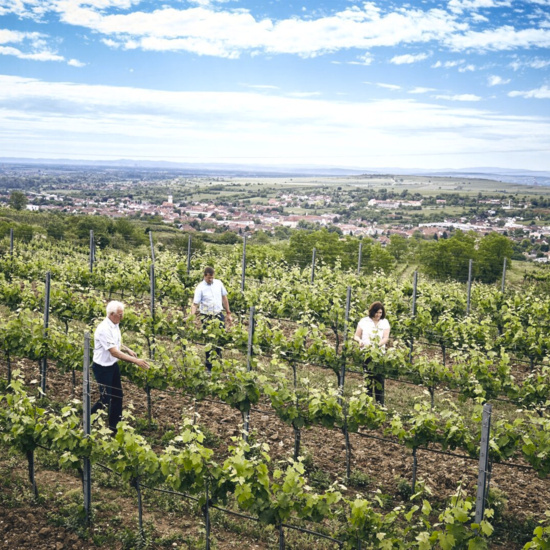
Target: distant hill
517, 176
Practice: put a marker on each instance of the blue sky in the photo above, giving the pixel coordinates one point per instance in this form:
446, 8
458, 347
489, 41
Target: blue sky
422, 84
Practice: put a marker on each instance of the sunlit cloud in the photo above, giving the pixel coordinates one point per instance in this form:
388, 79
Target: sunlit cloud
387, 86
420, 90
206, 30
76, 63
495, 80
408, 59
536, 63
539, 93
459, 97
31, 46
499, 39
460, 6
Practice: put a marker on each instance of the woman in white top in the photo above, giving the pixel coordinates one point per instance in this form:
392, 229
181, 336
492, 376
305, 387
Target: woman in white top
371, 331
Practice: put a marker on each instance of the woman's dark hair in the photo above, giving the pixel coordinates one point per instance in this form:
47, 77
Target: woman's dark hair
376, 306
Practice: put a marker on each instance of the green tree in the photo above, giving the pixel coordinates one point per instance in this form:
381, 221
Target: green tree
398, 246
18, 200
449, 258
492, 250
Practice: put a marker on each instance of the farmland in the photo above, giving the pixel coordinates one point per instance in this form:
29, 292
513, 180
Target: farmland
320, 454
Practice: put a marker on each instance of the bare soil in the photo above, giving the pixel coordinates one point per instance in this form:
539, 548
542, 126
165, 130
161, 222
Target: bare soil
388, 467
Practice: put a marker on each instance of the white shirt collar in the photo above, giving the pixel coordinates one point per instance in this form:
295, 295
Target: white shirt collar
110, 323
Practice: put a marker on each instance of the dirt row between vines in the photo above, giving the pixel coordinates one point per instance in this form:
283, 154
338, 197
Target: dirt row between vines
388, 467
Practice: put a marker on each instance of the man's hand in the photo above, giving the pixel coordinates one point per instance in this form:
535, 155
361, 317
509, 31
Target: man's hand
142, 363
229, 319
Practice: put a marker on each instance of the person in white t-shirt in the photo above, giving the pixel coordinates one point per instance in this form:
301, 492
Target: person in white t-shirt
210, 300
374, 330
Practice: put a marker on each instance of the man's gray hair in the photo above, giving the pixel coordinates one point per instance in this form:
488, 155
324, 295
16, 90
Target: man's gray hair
114, 306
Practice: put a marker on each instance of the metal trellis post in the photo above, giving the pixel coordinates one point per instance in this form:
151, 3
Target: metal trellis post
207, 517
243, 268
250, 338
46, 325
11, 242
86, 468
91, 250
313, 254
483, 462
346, 321
415, 284
152, 278
469, 287
413, 310
189, 254
503, 276
249, 365
360, 258
152, 247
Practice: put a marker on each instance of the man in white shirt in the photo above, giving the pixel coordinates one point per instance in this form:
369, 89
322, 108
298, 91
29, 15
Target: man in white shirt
210, 300
108, 349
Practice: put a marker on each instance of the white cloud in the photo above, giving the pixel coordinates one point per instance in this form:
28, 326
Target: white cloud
7, 36
408, 59
206, 3
207, 31
65, 120
420, 90
388, 86
459, 97
260, 86
478, 18
495, 80
539, 93
37, 56
536, 63
459, 6
499, 39
30, 9
303, 94
365, 59
467, 68
76, 63
28, 45
449, 64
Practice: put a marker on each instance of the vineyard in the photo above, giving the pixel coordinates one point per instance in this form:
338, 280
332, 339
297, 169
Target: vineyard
282, 445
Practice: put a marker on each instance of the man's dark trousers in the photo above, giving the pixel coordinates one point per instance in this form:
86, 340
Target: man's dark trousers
110, 392
215, 352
